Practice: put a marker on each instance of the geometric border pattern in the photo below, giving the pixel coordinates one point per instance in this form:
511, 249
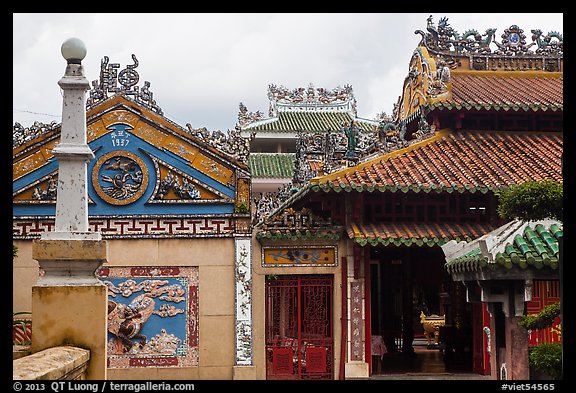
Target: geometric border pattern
134, 227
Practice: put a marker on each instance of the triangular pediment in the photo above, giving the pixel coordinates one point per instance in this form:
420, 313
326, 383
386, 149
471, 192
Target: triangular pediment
144, 164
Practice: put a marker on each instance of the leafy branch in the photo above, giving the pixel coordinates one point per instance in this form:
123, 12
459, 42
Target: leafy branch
531, 200
542, 320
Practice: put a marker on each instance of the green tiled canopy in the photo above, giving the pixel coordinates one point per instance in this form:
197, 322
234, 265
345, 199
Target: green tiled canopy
315, 121
536, 247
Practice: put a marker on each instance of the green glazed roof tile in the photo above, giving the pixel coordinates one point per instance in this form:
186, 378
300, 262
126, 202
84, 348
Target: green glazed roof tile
271, 165
536, 247
307, 121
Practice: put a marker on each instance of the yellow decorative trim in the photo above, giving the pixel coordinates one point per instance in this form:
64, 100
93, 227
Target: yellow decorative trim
211, 168
95, 130
120, 116
355, 230
383, 158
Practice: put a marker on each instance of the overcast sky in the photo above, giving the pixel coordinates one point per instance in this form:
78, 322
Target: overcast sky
202, 66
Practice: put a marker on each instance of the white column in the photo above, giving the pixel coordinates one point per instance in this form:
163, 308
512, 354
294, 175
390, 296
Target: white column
70, 254
73, 154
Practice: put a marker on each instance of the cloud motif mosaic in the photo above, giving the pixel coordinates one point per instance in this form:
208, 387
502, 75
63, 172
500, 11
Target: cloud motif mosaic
152, 316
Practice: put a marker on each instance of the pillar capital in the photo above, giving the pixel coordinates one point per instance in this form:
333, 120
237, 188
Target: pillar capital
69, 261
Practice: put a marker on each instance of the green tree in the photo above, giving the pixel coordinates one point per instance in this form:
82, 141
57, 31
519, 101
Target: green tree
531, 200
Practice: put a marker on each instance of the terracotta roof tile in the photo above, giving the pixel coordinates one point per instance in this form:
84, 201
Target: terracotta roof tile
504, 92
460, 161
402, 233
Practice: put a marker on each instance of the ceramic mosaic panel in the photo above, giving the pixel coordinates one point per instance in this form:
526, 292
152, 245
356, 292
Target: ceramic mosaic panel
299, 256
243, 286
152, 316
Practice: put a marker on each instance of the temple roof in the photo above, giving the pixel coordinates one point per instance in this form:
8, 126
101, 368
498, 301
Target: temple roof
471, 70
499, 91
408, 233
312, 109
308, 121
458, 160
514, 245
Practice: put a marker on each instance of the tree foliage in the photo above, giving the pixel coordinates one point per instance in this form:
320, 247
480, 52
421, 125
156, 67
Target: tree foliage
531, 200
543, 319
547, 357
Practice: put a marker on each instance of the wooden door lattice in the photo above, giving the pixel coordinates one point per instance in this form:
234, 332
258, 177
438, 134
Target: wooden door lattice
299, 342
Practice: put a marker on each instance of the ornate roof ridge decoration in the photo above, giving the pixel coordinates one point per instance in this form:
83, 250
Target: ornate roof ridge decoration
300, 99
230, 143
445, 39
337, 150
245, 117
353, 144
22, 135
512, 53
339, 99
319, 154
123, 82
267, 203
292, 224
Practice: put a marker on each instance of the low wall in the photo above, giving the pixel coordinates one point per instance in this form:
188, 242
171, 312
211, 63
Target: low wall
57, 363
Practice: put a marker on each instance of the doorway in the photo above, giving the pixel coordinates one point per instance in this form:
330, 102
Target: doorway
408, 284
299, 333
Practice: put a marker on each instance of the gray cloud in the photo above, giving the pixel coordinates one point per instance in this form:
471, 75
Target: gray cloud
201, 66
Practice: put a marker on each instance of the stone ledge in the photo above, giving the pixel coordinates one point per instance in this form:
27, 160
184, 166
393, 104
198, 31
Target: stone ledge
70, 250
57, 363
19, 351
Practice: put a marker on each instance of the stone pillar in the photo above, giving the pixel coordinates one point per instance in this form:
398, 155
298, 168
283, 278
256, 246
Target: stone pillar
512, 295
356, 365
516, 349
69, 304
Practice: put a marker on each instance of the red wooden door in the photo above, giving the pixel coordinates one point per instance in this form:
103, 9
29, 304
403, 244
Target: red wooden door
544, 293
299, 341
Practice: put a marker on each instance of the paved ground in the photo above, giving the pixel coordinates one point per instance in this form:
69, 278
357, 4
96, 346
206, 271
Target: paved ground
423, 376
426, 364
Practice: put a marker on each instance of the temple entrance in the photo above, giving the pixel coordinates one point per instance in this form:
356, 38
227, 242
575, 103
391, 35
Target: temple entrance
299, 338
420, 320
